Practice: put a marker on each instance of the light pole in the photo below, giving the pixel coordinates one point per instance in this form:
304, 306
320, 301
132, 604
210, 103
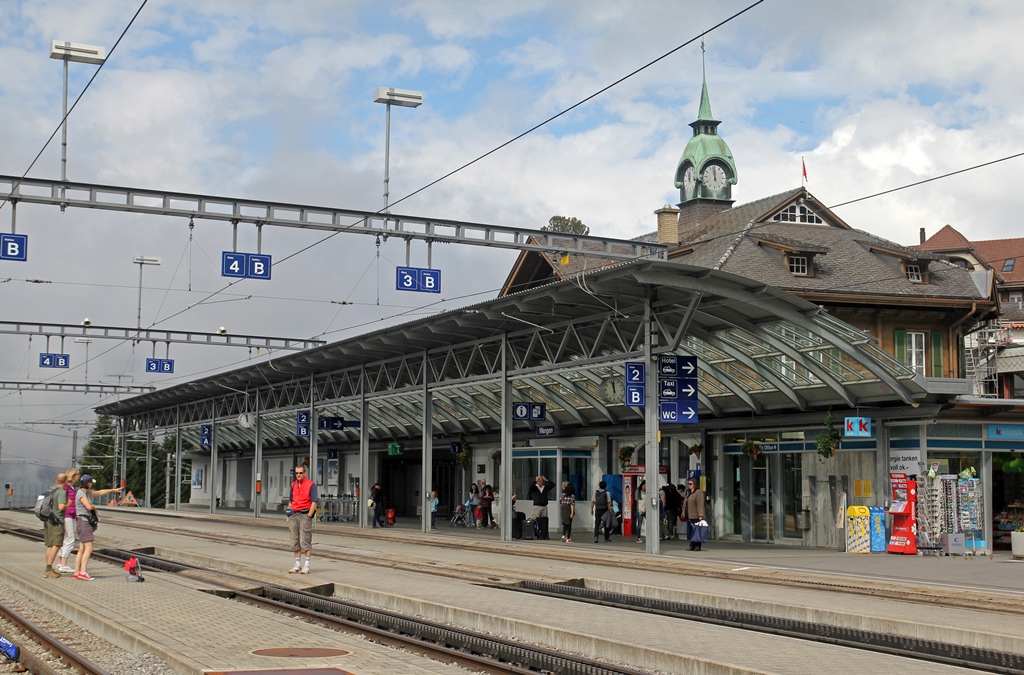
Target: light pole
71, 51
390, 96
86, 342
141, 260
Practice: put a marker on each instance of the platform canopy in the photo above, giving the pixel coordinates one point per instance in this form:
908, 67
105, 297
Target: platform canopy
759, 350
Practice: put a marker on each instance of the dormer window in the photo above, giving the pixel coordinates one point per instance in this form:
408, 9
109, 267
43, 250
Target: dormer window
914, 273
797, 213
1008, 264
798, 265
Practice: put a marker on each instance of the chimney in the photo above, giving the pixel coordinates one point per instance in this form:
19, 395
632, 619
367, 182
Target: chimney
668, 225
923, 238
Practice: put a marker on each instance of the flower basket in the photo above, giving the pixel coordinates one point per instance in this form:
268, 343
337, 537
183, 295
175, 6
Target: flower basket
695, 449
465, 456
828, 440
750, 449
626, 456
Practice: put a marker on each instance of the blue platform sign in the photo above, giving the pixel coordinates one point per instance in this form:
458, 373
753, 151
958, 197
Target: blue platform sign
676, 412
520, 410
205, 435
47, 360
302, 423
857, 426
258, 266
331, 423
636, 395
455, 447
544, 430
245, 265
636, 372
418, 279
538, 412
14, 247
160, 366
232, 264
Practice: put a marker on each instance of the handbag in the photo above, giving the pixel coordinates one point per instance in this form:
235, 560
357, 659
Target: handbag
370, 504
699, 532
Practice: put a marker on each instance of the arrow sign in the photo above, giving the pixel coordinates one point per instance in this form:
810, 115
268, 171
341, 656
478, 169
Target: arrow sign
688, 365
687, 388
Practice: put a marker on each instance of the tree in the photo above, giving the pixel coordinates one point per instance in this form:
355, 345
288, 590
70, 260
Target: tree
98, 461
566, 224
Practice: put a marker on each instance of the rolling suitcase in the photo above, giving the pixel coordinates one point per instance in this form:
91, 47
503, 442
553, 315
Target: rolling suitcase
529, 529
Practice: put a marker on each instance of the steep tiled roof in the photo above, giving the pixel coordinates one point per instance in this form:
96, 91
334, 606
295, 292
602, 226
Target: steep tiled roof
946, 240
998, 251
844, 261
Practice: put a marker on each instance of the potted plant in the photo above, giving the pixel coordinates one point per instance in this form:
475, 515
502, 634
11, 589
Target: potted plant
1017, 542
750, 448
828, 440
696, 449
626, 456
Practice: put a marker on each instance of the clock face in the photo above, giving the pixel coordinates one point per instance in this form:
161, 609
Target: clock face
714, 177
689, 179
613, 390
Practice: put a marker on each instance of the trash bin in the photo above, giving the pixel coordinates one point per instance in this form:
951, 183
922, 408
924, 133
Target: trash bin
878, 538
803, 519
858, 530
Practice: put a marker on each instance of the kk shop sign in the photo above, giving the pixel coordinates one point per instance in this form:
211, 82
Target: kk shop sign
857, 426
1006, 432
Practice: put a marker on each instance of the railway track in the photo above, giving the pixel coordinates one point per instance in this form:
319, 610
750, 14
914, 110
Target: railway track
981, 600
496, 655
30, 658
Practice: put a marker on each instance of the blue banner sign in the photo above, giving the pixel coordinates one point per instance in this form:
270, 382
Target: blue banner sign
1006, 432
857, 426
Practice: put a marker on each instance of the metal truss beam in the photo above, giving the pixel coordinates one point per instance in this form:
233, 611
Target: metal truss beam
75, 387
232, 210
155, 336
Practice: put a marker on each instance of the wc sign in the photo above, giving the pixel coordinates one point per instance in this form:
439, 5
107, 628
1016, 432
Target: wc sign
14, 247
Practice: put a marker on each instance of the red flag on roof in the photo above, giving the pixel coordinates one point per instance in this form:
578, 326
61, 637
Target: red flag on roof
804, 167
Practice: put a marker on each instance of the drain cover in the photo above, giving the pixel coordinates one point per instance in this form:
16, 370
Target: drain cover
301, 652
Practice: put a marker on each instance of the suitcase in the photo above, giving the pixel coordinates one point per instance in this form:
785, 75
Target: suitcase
529, 529
542, 527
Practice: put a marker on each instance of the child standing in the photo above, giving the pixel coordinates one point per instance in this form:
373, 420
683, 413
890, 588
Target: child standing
433, 510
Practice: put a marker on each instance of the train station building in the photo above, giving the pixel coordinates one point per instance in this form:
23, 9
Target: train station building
788, 314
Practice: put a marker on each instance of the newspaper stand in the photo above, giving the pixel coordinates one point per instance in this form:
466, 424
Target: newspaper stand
903, 539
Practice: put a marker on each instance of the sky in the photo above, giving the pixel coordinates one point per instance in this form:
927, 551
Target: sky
273, 100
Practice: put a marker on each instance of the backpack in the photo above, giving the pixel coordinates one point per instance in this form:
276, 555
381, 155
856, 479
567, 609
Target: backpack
44, 507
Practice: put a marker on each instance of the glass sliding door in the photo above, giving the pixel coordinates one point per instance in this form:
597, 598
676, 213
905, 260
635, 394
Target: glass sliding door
761, 498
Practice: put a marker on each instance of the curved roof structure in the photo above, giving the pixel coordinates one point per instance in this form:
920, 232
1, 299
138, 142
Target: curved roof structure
759, 350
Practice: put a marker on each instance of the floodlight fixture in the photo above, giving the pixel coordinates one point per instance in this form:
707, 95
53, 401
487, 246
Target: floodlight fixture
400, 97
390, 96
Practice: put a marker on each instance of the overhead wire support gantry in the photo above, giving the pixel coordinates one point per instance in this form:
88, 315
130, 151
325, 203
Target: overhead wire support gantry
149, 335
227, 209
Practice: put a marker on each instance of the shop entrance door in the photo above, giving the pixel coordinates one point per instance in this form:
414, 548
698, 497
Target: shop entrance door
761, 499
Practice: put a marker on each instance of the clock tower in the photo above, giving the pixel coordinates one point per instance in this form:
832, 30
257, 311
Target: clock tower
707, 171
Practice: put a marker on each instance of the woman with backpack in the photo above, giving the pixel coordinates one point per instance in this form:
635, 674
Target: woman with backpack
70, 518
600, 505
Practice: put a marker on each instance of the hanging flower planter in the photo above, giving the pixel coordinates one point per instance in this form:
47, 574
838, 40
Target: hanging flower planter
626, 456
751, 449
696, 449
828, 440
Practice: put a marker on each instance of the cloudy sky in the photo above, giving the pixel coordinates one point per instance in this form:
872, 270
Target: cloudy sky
272, 100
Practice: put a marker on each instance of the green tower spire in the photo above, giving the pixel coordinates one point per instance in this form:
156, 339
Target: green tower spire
706, 171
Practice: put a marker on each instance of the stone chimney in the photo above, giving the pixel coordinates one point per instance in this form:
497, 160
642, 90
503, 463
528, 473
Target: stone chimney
668, 225
923, 238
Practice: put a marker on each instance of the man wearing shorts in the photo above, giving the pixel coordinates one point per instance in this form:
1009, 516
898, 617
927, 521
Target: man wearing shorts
302, 509
53, 529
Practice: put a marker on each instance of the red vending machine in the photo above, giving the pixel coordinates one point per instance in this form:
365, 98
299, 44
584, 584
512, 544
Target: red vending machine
903, 538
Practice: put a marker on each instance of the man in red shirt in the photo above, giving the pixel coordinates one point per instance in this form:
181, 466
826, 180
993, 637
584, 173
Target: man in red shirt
301, 510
